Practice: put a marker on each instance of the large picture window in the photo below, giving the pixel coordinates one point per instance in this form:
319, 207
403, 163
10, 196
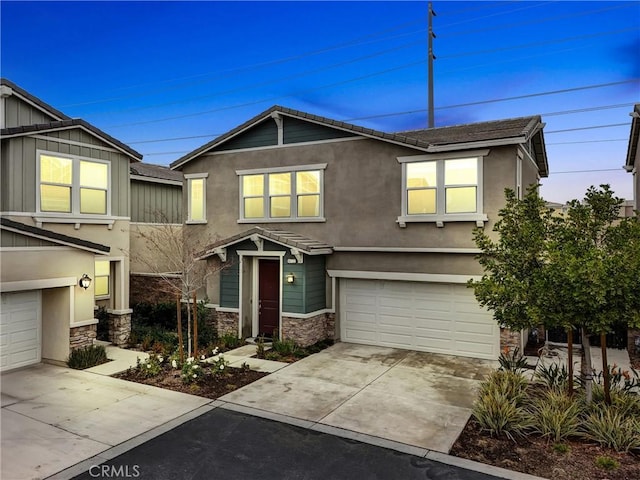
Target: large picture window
74, 185
282, 194
441, 189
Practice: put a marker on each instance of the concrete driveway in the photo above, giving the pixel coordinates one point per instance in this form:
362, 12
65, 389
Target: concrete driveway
54, 417
413, 398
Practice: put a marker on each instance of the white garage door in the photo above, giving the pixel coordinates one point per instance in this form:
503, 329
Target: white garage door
430, 317
20, 329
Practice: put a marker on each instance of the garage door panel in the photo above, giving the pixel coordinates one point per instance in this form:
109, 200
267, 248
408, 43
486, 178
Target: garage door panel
433, 317
20, 327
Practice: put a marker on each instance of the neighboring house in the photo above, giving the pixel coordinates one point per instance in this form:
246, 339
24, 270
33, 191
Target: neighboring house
329, 229
65, 214
156, 204
632, 165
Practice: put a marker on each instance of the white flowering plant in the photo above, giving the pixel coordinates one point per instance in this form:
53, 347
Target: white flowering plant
191, 371
150, 367
196, 369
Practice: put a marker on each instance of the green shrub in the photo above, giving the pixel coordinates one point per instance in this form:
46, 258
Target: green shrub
87, 357
286, 348
513, 361
607, 463
498, 414
552, 376
561, 448
228, 341
556, 416
148, 336
150, 367
608, 427
510, 384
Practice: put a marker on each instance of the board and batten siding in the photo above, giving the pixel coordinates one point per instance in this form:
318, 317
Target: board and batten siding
298, 131
19, 179
261, 135
155, 202
315, 283
18, 113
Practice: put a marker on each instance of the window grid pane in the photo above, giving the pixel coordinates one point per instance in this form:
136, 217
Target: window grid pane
421, 175
56, 170
460, 200
55, 198
252, 185
197, 198
421, 202
94, 175
461, 172
93, 201
101, 286
254, 207
279, 184
308, 205
280, 207
308, 182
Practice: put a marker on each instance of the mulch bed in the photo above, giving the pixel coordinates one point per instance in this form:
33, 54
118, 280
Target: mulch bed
533, 455
211, 386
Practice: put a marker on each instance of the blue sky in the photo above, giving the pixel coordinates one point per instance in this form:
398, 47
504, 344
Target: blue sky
152, 73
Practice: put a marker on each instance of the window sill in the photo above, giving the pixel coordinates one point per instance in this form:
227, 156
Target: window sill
440, 220
283, 220
102, 297
195, 222
78, 220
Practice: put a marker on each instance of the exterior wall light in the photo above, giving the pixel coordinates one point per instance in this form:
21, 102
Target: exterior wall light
291, 278
85, 281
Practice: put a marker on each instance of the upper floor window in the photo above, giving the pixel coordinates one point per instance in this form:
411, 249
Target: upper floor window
442, 189
74, 185
196, 191
282, 194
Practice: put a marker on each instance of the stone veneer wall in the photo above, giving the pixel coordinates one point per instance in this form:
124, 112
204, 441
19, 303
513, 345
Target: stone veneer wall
119, 328
80, 337
226, 322
307, 331
510, 339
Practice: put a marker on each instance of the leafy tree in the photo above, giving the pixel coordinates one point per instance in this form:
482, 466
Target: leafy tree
578, 270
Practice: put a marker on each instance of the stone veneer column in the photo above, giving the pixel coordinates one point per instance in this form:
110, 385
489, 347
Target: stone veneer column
510, 339
84, 336
227, 323
307, 331
119, 326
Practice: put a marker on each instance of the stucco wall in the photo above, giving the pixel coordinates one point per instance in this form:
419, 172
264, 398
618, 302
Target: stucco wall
55, 323
141, 251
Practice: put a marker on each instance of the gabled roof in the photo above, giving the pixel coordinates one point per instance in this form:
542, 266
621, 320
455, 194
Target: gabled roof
45, 107
69, 124
473, 135
287, 239
59, 238
634, 138
150, 172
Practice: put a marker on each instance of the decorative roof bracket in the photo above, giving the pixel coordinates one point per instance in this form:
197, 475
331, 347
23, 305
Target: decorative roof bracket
222, 253
257, 240
298, 254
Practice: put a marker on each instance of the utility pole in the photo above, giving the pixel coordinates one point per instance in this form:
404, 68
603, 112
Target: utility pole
432, 57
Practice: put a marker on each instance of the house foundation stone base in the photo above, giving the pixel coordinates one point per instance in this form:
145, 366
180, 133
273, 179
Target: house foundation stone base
226, 323
307, 331
511, 340
80, 337
119, 327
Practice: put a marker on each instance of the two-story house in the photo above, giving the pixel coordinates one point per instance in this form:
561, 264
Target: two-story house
64, 205
328, 229
632, 163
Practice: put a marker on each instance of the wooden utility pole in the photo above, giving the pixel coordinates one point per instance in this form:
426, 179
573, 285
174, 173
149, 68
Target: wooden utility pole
431, 58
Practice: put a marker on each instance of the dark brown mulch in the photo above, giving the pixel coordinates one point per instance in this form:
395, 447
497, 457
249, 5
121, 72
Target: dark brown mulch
533, 455
211, 386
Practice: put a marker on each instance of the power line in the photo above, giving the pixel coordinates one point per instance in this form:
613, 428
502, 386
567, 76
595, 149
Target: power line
590, 141
588, 171
587, 128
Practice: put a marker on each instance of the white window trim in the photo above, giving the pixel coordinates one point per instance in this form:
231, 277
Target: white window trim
64, 217
294, 218
195, 176
441, 217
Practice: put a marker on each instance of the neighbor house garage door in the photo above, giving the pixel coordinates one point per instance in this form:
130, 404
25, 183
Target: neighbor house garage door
20, 329
430, 317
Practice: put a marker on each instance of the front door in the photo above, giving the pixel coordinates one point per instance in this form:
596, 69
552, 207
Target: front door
268, 297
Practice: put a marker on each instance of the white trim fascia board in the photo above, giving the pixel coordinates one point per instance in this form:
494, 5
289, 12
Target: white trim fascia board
196, 175
307, 315
73, 142
83, 323
260, 253
164, 181
35, 249
530, 158
73, 127
38, 284
444, 156
228, 309
283, 220
152, 224
296, 168
409, 250
53, 240
285, 145
466, 145
403, 276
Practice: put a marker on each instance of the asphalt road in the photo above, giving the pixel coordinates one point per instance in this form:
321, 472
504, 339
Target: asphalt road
226, 445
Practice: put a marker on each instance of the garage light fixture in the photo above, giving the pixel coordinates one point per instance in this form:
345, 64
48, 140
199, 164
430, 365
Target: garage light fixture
290, 278
85, 281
